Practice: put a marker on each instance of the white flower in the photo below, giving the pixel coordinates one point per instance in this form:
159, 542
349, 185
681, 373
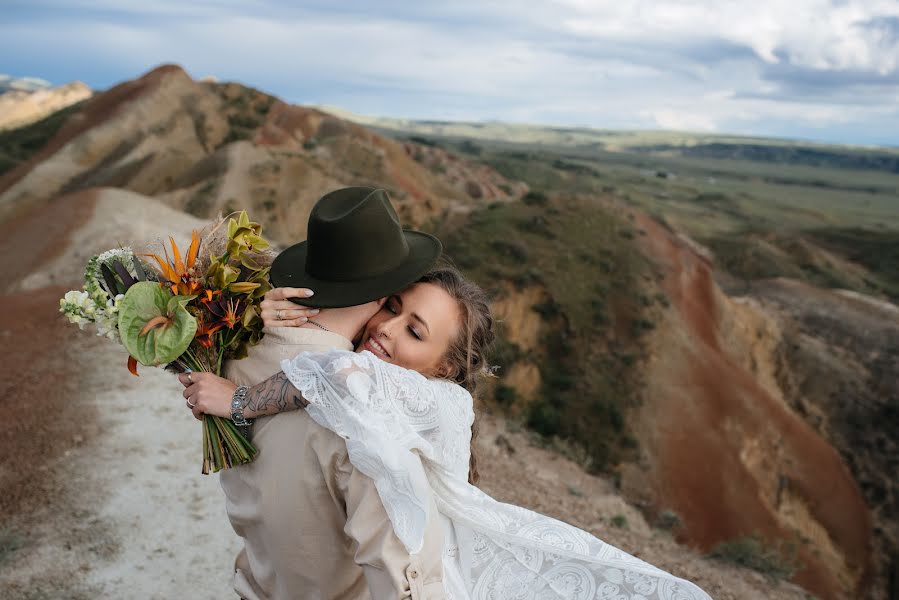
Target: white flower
74, 297
124, 255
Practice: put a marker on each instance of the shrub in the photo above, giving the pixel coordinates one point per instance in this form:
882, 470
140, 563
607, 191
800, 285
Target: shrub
777, 561
668, 520
535, 198
10, 543
544, 418
469, 147
423, 141
575, 491
513, 250
537, 225
548, 309
641, 325
505, 353
505, 395
619, 521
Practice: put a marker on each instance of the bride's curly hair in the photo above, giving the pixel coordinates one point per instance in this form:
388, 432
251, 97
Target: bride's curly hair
467, 358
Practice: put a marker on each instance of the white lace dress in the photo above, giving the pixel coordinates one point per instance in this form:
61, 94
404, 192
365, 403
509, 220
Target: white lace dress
411, 435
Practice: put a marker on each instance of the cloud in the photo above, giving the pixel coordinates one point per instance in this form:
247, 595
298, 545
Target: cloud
767, 67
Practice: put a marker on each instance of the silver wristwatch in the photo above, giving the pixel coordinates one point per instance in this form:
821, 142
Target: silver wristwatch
238, 403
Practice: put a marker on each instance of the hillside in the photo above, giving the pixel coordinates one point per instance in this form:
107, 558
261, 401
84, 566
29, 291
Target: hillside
205, 148
756, 220
642, 335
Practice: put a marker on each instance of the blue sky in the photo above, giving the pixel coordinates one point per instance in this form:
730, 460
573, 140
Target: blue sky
815, 69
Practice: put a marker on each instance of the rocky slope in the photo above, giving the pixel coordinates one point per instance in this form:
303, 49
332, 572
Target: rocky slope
837, 364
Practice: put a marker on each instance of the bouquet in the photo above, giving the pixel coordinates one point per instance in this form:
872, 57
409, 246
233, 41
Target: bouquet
189, 314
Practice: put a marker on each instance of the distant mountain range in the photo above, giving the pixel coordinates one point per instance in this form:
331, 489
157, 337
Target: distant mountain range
28, 99
22, 84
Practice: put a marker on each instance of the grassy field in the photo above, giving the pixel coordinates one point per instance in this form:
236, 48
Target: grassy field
834, 225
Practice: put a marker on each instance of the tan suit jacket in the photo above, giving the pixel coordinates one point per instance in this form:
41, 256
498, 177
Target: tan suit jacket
313, 526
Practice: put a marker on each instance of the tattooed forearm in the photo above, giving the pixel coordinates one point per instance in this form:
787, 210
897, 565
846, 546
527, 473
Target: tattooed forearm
275, 394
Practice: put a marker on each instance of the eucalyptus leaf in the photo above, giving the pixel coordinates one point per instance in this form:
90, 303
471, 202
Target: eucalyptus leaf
139, 269
112, 286
124, 275
145, 301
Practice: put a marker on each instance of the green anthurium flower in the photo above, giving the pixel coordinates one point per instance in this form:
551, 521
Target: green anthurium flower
155, 326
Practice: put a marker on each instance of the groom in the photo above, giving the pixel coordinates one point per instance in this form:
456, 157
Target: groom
313, 526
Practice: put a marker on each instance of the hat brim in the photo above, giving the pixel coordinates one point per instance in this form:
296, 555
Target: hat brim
288, 270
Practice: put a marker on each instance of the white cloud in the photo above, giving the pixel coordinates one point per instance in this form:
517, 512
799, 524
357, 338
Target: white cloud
818, 34
692, 65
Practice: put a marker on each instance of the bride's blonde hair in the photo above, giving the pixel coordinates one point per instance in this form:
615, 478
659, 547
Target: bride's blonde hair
466, 360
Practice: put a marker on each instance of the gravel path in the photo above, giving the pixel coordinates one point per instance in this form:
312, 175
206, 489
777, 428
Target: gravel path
124, 511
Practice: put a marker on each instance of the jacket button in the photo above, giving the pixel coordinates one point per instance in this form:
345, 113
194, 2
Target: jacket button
413, 573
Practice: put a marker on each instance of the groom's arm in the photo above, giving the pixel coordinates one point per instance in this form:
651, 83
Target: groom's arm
390, 570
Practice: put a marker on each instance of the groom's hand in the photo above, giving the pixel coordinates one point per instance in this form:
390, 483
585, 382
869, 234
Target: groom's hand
207, 394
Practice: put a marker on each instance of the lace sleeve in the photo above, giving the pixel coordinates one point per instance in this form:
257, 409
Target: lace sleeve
391, 418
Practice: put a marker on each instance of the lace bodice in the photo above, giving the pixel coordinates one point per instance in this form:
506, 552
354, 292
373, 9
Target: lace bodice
411, 435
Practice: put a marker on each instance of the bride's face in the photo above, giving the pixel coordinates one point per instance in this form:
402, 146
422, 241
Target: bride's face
414, 328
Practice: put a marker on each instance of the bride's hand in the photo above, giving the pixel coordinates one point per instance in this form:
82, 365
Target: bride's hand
207, 394
278, 311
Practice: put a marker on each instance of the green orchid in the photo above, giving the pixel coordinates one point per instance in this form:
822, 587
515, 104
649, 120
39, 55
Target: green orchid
244, 236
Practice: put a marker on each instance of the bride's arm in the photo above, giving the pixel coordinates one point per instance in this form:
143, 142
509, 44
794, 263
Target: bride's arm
210, 394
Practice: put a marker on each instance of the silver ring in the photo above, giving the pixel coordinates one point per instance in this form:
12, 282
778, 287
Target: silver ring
189, 405
278, 314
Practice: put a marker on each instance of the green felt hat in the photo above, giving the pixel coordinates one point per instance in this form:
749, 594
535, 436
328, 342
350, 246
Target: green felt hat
355, 251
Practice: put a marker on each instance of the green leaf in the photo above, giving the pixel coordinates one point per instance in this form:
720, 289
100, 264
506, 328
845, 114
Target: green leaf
147, 300
176, 302
243, 287
249, 263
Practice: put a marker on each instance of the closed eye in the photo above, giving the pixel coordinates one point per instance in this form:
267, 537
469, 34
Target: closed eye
391, 305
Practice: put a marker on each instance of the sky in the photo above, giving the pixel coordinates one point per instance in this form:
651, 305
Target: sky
823, 70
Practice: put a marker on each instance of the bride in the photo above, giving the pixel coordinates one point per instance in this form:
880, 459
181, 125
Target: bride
403, 403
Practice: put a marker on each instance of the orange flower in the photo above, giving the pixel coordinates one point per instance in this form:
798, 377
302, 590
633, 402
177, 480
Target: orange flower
205, 331
177, 273
227, 311
233, 310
